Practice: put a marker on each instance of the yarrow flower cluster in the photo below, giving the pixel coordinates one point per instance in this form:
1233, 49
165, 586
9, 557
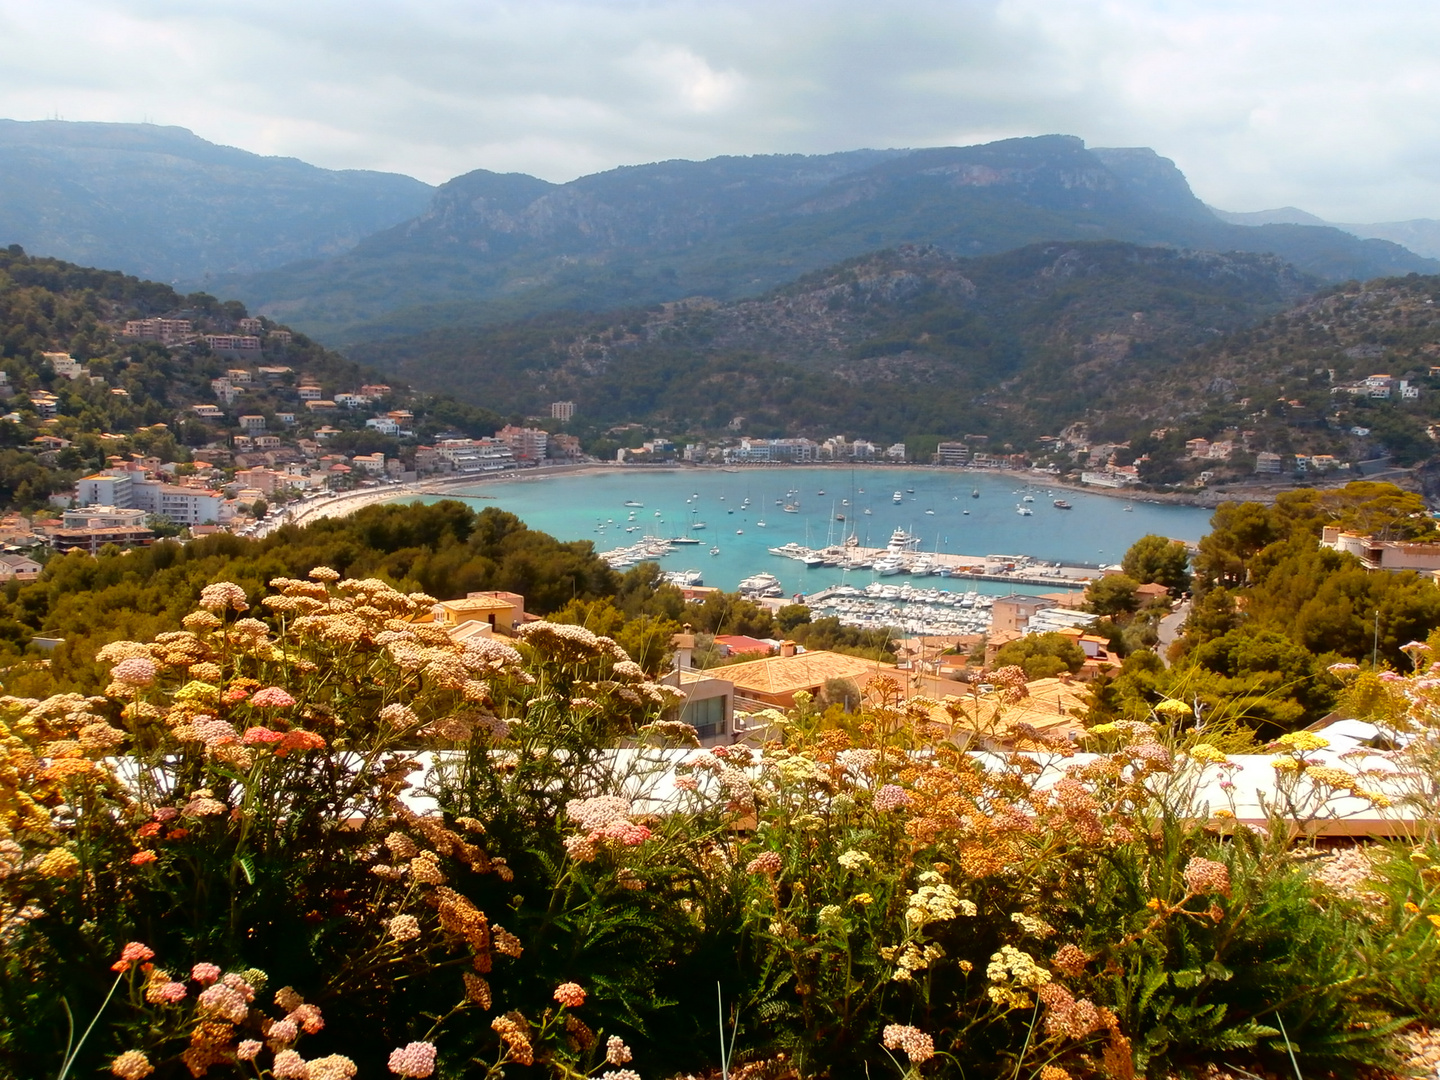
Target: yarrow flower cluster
1010, 968
606, 821
136, 671
767, 863
892, 797
404, 927
131, 954
223, 596
131, 1065
917, 1045
616, 1052
1205, 877
571, 995
272, 697
414, 1060
934, 902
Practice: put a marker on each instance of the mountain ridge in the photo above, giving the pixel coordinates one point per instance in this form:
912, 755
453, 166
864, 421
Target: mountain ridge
1420, 235
163, 203
493, 248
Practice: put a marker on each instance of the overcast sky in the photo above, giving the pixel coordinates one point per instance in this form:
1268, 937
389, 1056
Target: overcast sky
1329, 105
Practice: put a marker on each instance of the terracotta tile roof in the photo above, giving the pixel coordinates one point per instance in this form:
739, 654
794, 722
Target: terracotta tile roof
740, 643
476, 603
804, 671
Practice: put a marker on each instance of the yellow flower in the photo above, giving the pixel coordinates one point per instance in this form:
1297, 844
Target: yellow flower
1210, 755
1434, 919
1412, 908
863, 899
59, 863
1303, 741
1171, 707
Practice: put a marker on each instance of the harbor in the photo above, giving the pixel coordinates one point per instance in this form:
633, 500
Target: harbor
818, 533
908, 606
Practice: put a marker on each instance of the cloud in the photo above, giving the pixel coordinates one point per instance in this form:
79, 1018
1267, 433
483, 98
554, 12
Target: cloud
1322, 104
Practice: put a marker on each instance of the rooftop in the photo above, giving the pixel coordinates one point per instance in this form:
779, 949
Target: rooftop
789, 674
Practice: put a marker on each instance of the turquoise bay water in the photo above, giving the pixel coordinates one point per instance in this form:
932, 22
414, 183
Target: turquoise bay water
575, 506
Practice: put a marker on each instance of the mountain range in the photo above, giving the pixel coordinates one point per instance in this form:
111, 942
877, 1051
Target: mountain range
165, 204
494, 247
1420, 235
362, 256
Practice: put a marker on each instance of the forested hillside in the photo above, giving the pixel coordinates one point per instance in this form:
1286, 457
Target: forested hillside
893, 345
1273, 610
1296, 380
134, 395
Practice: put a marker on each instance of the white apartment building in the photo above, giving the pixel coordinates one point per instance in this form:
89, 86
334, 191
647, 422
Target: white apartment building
125, 490
527, 444
475, 455
65, 365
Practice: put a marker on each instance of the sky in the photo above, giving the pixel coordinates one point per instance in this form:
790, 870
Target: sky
1330, 106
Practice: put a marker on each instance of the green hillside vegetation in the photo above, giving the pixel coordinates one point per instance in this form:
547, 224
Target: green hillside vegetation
1284, 379
139, 404
896, 345
444, 549
1273, 610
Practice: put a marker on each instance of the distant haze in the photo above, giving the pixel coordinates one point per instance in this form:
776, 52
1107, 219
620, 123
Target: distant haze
1320, 104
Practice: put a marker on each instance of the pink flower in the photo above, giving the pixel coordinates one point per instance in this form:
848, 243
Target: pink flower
133, 953
172, 992
272, 697
205, 974
247, 1050
289, 1065
135, 671
571, 995
308, 1017
283, 1031
255, 736
890, 797
235, 695
225, 1002
767, 862
616, 1052
415, 1060
624, 832
918, 1046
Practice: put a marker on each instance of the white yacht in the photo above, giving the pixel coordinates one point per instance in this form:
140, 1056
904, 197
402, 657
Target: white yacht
901, 542
759, 583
